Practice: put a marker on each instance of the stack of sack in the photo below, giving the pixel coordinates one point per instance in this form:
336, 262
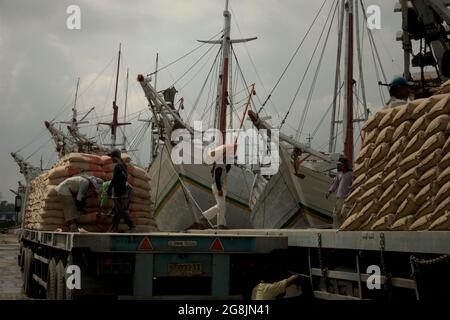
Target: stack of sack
44, 212
402, 174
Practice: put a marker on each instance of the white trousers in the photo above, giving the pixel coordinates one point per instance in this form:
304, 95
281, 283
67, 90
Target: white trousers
219, 209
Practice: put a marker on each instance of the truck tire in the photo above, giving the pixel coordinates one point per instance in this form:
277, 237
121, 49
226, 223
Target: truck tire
51, 280
60, 281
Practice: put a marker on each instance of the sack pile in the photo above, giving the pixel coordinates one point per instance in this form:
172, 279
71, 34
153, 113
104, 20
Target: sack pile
402, 174
44, 211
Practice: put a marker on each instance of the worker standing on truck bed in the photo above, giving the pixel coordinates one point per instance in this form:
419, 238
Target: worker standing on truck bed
219, 189
342, 186
399, 90
119, 191
72, 194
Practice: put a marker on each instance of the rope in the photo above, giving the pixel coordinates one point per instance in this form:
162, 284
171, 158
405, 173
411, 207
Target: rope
293, 56
186, 54
306, 71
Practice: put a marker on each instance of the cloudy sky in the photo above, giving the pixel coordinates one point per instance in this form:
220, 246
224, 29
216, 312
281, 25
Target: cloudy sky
41, 59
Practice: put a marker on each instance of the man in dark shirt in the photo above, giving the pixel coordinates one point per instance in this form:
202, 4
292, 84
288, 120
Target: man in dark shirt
118, 191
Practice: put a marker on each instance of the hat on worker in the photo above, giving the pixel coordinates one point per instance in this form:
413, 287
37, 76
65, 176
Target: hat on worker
399, 81
96, 182
114, 153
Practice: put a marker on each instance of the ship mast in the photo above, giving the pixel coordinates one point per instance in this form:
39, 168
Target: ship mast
348, 97
115, 122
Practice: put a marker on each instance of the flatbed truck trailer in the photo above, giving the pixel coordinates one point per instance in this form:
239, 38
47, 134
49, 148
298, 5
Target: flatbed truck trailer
63, 265
219, 264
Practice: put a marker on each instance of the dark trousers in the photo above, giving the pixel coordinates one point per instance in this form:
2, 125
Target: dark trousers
120, 211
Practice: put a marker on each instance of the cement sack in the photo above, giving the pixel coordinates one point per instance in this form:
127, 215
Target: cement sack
385, 135
56, 181
408, 207
403, 114
426, 193
429, 176
354, 208
442, 207
443, 193
442, 107
431, 160
383, 223
379, 153
420, 124
141, 193
402, 130
445, 161
392, 164
106, 160
413, 173
410, 161
368, 222
414, 144
410, 187
52, 205
393, 176
377, 168
446, 148
387, 195
371, 194
138, 173
373, 121
359, 181
444, 177
425, 106
422, 223
374, 181
139, 183
365, 152
442, 223
353, 222
371, 137
141, 201
439, 124
83, 157
361, 168
387, 119
397, 147
402, 224
139, 207
434, 142
444, 88
428, 207
389, 208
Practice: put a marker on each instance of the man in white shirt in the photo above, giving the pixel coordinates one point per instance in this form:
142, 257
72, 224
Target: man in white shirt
399, 90
72, 194
273, 291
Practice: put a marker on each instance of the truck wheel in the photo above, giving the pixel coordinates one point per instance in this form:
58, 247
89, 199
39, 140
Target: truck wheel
60, 281
51, 280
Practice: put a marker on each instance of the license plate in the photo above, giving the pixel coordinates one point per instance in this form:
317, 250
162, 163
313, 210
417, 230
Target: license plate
184, 269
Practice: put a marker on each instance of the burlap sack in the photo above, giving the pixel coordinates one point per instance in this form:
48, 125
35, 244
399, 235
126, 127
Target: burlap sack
385, 135
390, 207
443, 177
374, 181
387, 195
392, 164
379, 153
365, 152
429, 176
408, 207
426, 193
428, 207
442, 107
397, 147
383, 223
402, 224
434, 142
410, 161
410, 187
402, 130
422, 223
445, 161
391, 178
443, 193
420, 124
431, 160
442, 223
